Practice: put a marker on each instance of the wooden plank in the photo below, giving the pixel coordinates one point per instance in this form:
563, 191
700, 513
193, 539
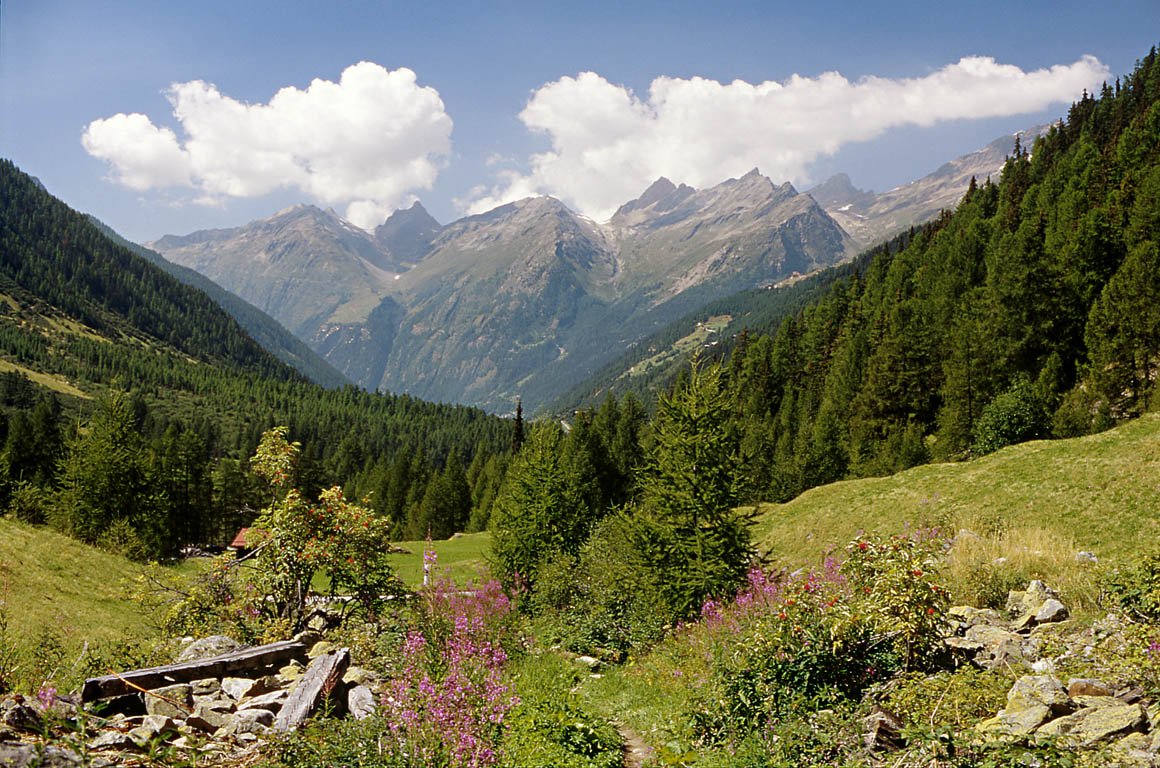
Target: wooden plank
323, 674
247, 659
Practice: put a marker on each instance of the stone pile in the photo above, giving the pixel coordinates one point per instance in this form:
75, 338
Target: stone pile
225, 714
1086, 712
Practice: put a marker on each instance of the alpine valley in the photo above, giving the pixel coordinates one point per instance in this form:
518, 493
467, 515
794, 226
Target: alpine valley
525, 300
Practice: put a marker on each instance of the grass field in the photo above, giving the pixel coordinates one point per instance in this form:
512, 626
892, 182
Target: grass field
1101, 491
463, 558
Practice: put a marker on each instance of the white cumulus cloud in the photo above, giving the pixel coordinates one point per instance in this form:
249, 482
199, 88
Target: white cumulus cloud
607, 144
367, 141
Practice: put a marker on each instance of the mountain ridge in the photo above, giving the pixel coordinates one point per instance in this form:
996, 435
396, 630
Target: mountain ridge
521, 301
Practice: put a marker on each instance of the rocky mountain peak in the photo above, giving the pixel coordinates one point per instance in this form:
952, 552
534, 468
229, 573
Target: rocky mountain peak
837, 191
407, 234
661, 196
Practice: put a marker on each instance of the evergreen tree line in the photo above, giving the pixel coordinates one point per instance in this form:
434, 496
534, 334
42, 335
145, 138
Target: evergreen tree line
155, 455
1031, 311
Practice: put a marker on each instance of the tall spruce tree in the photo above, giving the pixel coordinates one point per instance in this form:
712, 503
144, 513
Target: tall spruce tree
689, 531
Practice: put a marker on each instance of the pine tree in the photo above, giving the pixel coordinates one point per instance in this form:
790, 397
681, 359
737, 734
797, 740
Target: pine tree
690, 533
540, 511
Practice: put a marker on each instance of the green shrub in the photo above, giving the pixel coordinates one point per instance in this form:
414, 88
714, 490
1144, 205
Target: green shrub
28, 503
960, 698
1015, 416
1135, 589
603, 598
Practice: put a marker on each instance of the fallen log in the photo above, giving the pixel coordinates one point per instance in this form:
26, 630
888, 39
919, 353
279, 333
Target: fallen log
320, 678
247, 659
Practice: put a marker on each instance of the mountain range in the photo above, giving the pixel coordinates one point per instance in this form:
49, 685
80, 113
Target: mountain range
525, 300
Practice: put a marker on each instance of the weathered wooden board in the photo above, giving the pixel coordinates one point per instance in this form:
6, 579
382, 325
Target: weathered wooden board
320, 678
247, 659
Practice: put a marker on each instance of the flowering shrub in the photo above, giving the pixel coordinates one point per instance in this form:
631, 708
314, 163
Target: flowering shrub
447, 702
792, 644
785, 644
895, 585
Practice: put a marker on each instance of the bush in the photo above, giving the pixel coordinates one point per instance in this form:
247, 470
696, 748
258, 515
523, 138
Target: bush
1015, 416
959, 699
28, 503
1136, 589
785, 647
896, 589
602, 599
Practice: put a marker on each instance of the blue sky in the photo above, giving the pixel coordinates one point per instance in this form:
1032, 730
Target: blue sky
498, 106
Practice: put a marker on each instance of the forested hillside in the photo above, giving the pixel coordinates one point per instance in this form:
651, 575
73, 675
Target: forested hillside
261, 327
1029, 312
131, 402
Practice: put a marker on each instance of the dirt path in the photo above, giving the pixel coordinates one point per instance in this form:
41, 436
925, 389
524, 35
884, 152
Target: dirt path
636, 752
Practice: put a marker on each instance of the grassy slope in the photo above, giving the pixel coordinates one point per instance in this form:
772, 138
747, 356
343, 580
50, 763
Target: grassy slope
51, 582
1102, 491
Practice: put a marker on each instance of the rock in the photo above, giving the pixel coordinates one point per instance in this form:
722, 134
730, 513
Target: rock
1095, 702
364, 677
208, 719
206, 687
308, 637
883, 731
249, 721
271, 701
1016, 722
1130, 695
1132, 752
153, 728
1032, 701
962, 644
1050, 610
22, 717
113, 740
214, 645
239, 688
974, 616
360, 702
1039, 689
1091, 725
591, 662
218, 701
1087, 686
174, 701
41, 756
1008, 656
291, 673
321, 648
989, 637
